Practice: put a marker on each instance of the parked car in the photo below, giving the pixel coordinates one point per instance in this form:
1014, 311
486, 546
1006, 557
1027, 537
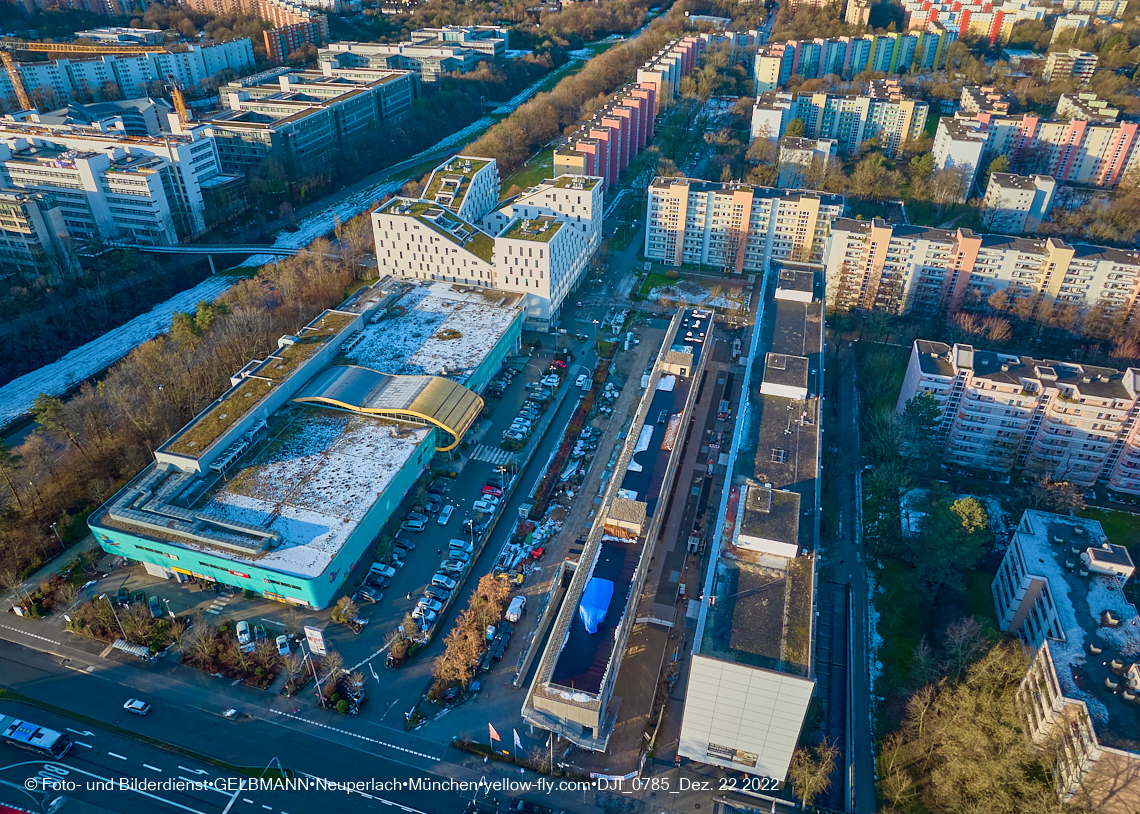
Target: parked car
583, 381
413, 525
406, 543
492, 490
494, 501
435, 592
472, 526
445, 514
484, 506
283, 645
462, 545
124, 597
139, 598
443, 581
425, 615
259, 634
398, 553
377, 580
364, 594
243, 634
431, 604
516, 609
155, 607
452, 567
383, 570
414, 515
510, 435
137, 706
433, 503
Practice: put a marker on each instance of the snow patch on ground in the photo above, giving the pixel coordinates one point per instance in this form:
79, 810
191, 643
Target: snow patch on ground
912, 516
17, 396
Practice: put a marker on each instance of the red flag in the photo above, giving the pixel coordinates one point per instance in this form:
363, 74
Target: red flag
494, 734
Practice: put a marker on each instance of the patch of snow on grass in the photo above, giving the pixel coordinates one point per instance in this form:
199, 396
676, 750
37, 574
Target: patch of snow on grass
911, 515
55, 379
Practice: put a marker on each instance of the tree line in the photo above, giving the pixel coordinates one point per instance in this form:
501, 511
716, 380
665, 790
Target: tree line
548, 115
88, 446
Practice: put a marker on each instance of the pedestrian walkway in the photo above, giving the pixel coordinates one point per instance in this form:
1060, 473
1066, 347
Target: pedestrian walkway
219, 604
491, 455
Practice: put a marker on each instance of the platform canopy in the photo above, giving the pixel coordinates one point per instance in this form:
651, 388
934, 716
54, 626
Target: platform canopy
416, 399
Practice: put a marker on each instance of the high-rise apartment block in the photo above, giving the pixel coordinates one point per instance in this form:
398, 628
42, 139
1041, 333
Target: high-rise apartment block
1072, 23
665, 69
301, 117
1096, 153
972, 18
847, 57
34, 240
884, 113
1101, 8
1060, 589
1000, 411
430, 52
537, 244
983, 99
1017, 203
605, 144
1073, 63
736, 227
918, 269
803, 159
55, 83
1086, 106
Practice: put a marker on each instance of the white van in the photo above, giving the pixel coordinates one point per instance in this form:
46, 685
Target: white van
516, 609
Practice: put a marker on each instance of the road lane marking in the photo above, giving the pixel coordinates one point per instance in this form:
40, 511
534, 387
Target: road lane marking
33, 635
83, 733
193, 771
136, 791
230, 804
355, 735
152, 768
267, 808
120, 757
81, 743
247, 800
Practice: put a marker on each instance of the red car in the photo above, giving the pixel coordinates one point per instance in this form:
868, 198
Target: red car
558, 363
494, 491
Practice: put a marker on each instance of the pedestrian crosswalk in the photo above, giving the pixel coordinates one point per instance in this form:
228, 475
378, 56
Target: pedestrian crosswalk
219, 604
491, 455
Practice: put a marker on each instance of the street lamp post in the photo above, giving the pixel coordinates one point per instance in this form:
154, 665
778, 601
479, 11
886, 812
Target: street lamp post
54, 529
116, 615
169, 610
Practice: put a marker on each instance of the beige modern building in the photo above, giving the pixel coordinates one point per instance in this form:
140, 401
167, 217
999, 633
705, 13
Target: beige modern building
1059, 589
918, 269
538, 243
736, 228
1002, 411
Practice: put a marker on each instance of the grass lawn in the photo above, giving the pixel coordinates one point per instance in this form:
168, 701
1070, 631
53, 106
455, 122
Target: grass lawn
654, 280
1122, 528
537, 169
904, 613
979, 601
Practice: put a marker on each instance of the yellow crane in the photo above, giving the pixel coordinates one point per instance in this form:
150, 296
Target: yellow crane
13, 71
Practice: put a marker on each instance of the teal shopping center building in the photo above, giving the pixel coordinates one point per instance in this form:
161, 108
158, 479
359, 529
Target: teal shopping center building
283, 483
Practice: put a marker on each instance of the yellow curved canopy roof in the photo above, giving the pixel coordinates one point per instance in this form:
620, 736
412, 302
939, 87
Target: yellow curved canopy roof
423, 399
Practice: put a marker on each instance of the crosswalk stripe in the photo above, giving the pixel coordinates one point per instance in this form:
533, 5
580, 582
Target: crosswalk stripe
490, 455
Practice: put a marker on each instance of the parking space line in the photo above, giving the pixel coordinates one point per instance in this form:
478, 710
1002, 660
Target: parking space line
120, 757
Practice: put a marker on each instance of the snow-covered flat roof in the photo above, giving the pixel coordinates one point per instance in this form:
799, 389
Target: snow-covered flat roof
313, 483
442, 331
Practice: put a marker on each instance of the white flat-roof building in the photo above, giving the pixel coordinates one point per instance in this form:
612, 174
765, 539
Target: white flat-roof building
537, 244
1017, 203
1060, 590
804, 159
959, 144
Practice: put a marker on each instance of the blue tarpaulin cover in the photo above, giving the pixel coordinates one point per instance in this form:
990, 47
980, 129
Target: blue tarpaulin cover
595, 602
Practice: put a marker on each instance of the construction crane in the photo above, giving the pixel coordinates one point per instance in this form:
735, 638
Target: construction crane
13, 71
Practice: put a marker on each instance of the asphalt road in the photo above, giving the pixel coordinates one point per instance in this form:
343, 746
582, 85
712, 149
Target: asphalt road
102, 754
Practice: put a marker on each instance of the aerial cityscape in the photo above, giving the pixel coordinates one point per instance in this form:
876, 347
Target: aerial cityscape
620, 407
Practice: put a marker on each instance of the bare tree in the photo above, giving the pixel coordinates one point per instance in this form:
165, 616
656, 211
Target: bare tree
811, 770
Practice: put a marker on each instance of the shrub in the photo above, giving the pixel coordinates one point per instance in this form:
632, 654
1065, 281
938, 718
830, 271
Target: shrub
342, 707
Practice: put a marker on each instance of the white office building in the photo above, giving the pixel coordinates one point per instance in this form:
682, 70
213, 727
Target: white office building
538, 244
